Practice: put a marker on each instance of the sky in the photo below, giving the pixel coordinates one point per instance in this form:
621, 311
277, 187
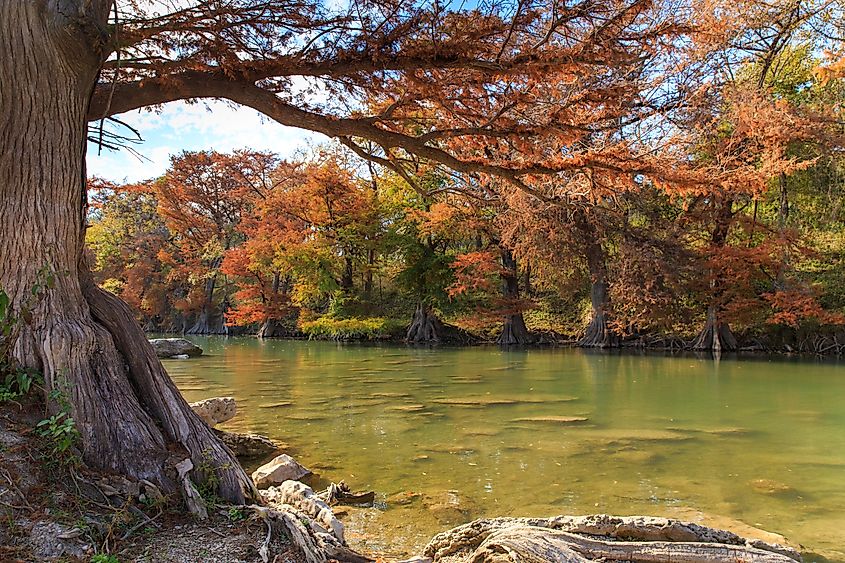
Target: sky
180, 126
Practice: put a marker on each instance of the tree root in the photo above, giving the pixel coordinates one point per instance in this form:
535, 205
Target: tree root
297, 512
599, 537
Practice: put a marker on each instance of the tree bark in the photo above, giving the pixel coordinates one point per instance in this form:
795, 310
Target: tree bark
514, 331
716, 335
425, 327
209, 320
598, 333
85, 341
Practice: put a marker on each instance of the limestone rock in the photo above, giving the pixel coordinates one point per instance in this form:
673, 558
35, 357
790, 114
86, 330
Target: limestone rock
450, 508
580, 539
304, 499
169, 347
278, 470
51, 540
248, 445
216, 410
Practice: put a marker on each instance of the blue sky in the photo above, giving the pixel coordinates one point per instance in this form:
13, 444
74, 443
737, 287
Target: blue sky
206, 125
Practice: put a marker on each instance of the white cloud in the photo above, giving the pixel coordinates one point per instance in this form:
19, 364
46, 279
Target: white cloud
180, 126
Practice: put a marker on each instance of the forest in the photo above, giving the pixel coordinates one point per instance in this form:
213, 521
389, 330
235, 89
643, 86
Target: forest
727, 233
596, 173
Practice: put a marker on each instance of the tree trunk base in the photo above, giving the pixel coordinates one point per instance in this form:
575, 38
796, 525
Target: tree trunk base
716, 337
272, 328
599, 334
578, 539
514, 332
170, 419
208, 324
426, 328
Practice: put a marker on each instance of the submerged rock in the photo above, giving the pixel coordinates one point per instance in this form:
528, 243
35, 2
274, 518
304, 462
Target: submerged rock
450, 508
216, 409
248, 445
770, 487
280, 469
555, 419
403, 498
170, 347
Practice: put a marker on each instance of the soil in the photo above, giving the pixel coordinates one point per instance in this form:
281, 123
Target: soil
52, 508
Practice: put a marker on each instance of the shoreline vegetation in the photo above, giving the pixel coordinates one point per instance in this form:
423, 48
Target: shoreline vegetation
373, 331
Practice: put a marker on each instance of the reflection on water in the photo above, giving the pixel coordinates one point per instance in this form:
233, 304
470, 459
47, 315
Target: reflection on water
447, 435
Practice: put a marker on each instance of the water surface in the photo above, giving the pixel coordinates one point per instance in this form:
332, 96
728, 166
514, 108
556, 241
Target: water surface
447, 435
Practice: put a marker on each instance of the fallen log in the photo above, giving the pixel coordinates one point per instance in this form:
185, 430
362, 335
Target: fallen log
340, 493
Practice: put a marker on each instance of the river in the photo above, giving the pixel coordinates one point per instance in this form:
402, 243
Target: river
449, 434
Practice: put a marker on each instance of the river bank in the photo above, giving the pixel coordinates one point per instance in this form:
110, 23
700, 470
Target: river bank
776, 341
666, 435
60, 510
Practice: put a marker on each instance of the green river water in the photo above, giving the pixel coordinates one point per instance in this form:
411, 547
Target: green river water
451, 434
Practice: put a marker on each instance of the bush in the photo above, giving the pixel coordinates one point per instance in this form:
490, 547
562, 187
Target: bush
372, 328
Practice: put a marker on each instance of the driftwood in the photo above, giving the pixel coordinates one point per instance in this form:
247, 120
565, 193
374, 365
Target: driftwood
340, 493
599, 537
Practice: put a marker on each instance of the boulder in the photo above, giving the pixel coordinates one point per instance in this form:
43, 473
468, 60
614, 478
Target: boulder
599, 537
278, 470
170, 347
248, 445
216, 409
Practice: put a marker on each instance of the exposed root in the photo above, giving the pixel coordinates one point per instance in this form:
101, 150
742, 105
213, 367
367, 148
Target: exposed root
297, 512
514, 332
153, 388
716, 336
599, 334
599, 537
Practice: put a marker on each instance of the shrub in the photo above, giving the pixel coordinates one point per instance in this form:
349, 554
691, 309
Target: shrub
372, 328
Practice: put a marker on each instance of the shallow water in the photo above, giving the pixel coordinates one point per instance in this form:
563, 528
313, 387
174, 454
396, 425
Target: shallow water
447, 435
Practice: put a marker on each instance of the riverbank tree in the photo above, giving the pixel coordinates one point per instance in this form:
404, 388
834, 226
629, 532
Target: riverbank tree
484, 91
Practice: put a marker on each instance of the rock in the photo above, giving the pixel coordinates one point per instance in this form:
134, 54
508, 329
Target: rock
51, 540
216, 410
170, 347
280, 469
450, 508
403, 498
248, 445
555, 419
770, 487
582, 539
303, 498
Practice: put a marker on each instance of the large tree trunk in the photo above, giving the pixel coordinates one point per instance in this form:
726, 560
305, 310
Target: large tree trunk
598, 333
514, 331
716, 335
425, 327
85, 341
209, 320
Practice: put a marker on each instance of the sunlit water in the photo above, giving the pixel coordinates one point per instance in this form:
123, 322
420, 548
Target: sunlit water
477, 432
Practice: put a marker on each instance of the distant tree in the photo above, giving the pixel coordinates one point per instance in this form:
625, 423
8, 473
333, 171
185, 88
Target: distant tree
128, 237
202, 198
